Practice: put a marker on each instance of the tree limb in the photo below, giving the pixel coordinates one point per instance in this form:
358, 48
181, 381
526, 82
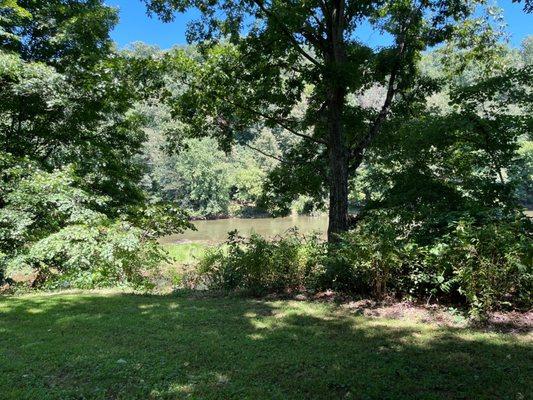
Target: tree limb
375, 128
282, 124
287, 32
281, 160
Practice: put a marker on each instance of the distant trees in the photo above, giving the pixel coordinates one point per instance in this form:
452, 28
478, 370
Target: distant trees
195, 173
201, 178
527, 50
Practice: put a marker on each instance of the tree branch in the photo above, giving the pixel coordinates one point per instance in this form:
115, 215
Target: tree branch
375, 128
280, 123
275, 120
287, 32
281, 160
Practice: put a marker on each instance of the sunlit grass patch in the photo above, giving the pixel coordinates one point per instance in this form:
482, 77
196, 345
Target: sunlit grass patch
117, 345
185, 253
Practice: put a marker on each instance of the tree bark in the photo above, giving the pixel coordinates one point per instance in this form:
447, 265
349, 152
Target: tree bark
338, 152
338, 168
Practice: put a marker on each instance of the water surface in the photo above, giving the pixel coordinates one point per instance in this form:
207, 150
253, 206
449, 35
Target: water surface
216, 231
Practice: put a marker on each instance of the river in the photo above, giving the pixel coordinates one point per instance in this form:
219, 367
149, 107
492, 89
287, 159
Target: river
216, 231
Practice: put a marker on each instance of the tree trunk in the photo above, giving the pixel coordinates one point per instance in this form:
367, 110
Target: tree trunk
338, 167
336, 97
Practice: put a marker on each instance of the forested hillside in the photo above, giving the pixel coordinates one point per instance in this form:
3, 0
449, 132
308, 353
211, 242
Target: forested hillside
211, 182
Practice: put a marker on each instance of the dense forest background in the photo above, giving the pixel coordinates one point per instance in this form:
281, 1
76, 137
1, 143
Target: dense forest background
209, 182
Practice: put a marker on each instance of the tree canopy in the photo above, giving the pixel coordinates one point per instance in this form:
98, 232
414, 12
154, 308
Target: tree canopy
71, 204
274, 55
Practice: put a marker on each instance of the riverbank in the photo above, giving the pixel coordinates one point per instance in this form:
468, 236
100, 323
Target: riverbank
215, 231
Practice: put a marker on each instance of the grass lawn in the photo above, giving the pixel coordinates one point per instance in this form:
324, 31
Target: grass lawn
112, 345
184, 253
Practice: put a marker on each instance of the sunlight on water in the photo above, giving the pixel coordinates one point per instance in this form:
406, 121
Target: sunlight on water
217, 230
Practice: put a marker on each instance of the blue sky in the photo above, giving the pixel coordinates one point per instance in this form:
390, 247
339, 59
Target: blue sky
135, 25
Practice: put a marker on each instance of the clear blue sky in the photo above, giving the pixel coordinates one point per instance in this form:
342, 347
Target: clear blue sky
135, 25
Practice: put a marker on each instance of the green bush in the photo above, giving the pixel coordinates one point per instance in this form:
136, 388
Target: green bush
257, 266
87, 256
490, 265
365, 261
485, 266
56, 234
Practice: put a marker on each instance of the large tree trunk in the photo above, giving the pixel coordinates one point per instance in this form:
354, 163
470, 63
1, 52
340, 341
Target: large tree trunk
338, 167
338, 153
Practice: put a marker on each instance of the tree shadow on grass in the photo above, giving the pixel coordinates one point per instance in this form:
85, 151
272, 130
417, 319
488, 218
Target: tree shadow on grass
122, 346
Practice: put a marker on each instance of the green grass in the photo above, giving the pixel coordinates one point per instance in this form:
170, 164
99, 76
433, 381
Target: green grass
183, 258
185, 253
112, 345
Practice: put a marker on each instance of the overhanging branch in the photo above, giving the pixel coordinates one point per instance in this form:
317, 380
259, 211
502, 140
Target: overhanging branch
277, 121
289, 34
376, 126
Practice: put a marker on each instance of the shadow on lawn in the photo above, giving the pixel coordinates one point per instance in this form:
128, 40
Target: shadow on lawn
141, 347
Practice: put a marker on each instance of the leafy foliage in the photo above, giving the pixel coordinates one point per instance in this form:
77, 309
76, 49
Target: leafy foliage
443, 193
259, 266
485, 266
54, 231
200, 177
71, 204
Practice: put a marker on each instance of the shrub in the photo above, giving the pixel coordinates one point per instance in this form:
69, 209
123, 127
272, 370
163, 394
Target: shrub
365, 261
256, 265
485, 265
490, 265
87, 256
61, 235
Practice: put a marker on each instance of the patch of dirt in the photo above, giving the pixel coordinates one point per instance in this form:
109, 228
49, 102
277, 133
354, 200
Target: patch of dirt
511, 321
5, 288
508, 322
405, 310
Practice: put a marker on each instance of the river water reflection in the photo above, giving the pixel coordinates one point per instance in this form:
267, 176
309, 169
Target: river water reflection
216, 231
